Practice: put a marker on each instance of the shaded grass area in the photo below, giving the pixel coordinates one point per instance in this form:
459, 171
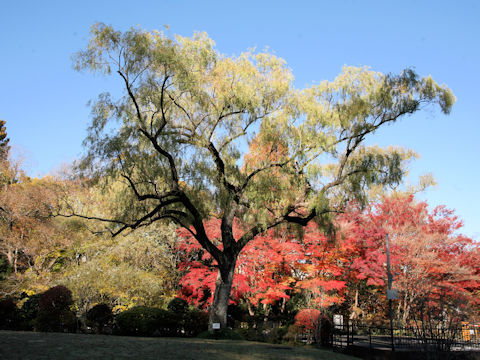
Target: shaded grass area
30, 345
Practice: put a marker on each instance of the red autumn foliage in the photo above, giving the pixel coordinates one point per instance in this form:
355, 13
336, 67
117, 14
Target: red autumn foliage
268, 269
428, 256
307, 319
263, 274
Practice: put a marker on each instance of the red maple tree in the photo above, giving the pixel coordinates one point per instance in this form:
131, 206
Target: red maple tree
429, 258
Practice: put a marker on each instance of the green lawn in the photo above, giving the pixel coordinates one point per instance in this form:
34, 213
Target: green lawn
30, 345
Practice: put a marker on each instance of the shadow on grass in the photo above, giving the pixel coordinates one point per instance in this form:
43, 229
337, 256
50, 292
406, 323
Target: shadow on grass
30, 345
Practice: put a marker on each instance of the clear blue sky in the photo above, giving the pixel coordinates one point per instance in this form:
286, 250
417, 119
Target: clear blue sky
44, 100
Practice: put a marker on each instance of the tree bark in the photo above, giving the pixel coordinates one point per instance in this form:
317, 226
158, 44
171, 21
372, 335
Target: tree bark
284, 304
221, 298
10, 257
251, 312
15, 260
266, 312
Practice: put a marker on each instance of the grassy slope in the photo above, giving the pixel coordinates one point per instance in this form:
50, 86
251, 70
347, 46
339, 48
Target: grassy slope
29, 345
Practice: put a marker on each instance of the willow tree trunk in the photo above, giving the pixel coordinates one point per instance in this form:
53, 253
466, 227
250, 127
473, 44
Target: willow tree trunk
221, 298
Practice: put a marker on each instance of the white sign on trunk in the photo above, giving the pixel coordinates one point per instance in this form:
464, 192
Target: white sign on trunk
216, 326
337, 319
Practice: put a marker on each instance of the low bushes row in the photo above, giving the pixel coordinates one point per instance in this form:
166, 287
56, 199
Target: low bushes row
51, 311
147, 321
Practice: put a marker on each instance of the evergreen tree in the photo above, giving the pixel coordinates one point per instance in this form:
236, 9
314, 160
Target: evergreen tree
4, 148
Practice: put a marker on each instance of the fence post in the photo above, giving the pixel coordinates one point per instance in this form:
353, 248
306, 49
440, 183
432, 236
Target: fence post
351, 335
370, 337
348, 334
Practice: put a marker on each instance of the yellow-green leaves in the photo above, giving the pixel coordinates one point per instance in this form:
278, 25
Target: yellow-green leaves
234, 129
442, 93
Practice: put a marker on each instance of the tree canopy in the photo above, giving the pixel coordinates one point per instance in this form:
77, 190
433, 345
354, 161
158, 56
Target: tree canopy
188, 113
197, 133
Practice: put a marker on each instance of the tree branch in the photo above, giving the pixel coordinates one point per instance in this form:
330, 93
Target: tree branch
132, 97
137, 194
254, 231
200, 234
221, 169
255, 172
222, 116
162, 106
171, 162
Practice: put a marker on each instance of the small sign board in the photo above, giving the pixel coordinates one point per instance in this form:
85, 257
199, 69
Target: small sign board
216, 326
392, 294
338, 321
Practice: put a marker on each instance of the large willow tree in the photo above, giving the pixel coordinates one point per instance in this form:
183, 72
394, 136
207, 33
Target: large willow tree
199, 134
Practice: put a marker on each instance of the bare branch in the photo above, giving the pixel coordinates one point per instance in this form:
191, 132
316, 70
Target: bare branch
73, 214
147, 216
137, 194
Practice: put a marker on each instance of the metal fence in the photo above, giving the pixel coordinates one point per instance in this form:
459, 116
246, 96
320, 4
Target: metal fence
423, 338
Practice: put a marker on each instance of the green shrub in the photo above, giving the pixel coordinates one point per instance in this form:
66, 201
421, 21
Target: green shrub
170, 324
58, 321
9, 315
252, 334
54, 312
293, 334
222, 334
194, 322
99, 317
276, 335
29, 311
177, 306
237, 313
146, 321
